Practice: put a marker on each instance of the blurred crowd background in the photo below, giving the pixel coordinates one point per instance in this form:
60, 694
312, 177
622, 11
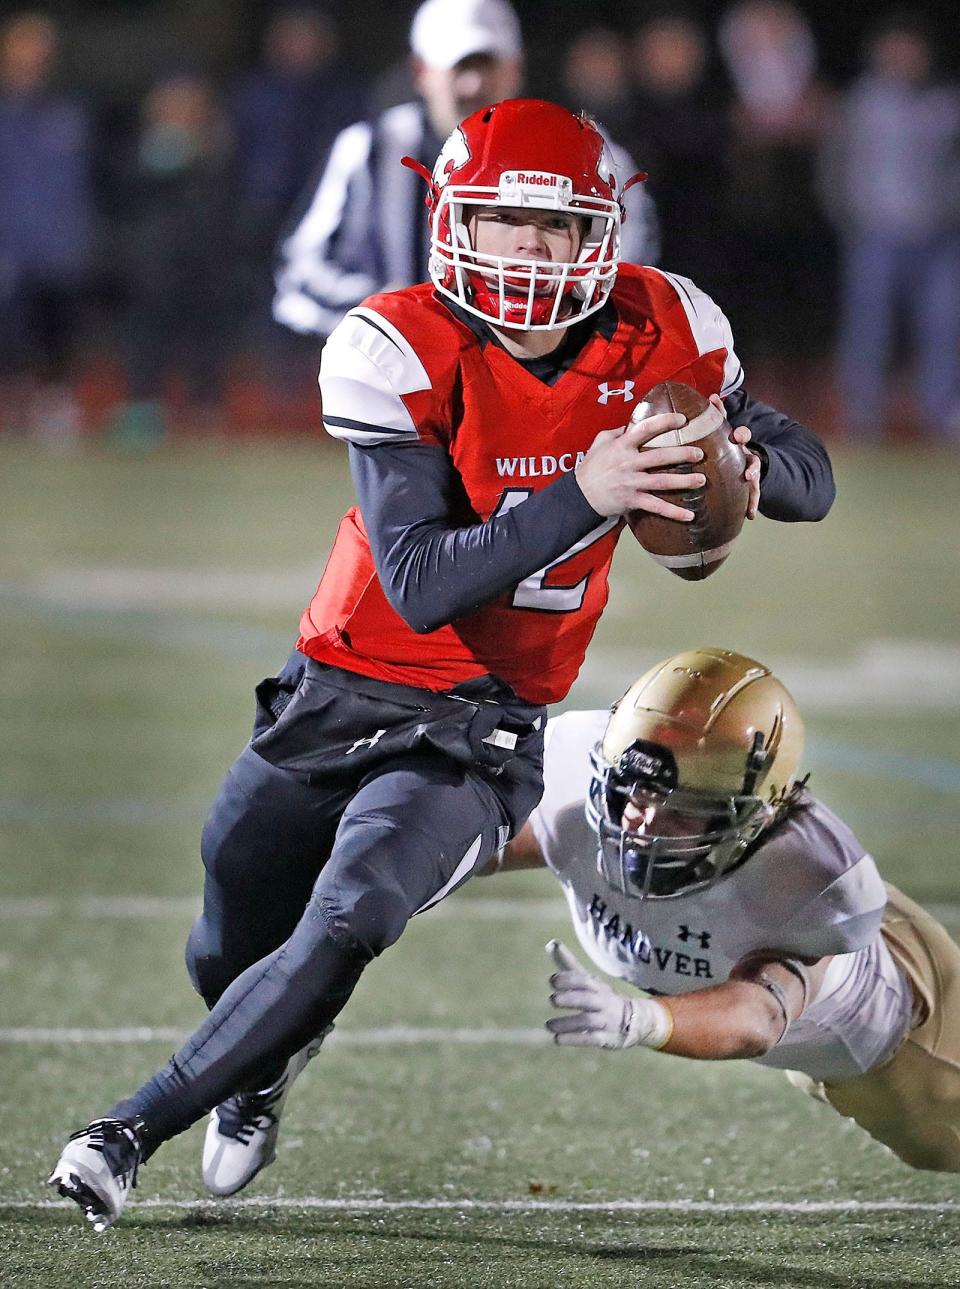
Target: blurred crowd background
157, 161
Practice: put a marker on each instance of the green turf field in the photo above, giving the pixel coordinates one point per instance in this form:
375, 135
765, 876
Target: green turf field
438, 1141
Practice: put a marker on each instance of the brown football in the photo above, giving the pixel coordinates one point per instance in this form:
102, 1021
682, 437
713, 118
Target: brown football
696, 549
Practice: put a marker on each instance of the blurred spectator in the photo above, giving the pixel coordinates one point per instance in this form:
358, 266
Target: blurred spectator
595, 79
284, 114
677, 132
365, 227
892, 183
178, 202
46, 231
782, 293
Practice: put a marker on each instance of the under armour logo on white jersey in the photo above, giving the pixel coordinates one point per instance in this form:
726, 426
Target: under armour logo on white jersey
686, 934
625, 392
372, 741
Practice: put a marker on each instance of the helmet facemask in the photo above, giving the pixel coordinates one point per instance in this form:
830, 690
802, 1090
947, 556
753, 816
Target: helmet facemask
658, 840
521, 293
525, 154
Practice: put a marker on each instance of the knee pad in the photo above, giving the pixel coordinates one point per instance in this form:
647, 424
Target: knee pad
359, 895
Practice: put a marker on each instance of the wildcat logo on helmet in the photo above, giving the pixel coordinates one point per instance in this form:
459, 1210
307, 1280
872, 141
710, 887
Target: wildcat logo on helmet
605, 167
454, 153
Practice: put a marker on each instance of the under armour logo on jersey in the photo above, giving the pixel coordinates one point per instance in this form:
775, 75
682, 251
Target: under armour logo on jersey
625, 392
686, 934
372, 741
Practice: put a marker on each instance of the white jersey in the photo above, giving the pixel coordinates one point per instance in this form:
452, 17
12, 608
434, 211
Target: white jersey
810, 891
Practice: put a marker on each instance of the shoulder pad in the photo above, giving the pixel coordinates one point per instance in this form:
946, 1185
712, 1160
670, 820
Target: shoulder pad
389, 347
815, 887
658, 292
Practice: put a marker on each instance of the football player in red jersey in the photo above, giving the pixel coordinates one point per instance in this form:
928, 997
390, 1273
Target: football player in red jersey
485, 415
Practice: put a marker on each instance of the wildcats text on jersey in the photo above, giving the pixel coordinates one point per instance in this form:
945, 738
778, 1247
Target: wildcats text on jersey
538, 467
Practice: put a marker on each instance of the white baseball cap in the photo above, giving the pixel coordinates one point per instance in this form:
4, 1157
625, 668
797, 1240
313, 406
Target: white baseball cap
444, 32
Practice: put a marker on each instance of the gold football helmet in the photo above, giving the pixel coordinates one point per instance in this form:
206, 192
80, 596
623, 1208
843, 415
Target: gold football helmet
699, 757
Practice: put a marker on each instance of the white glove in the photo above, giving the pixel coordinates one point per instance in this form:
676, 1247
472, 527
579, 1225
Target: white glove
600, 1016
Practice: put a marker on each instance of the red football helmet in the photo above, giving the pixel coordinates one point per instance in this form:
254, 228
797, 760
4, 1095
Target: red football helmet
524, 153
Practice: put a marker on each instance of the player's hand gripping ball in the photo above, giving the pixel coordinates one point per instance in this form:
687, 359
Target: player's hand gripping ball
695, 549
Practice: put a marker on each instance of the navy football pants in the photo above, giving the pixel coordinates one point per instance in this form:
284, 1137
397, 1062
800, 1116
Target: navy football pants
314, 866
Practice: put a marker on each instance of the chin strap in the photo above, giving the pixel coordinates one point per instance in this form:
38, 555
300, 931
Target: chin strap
419, 168
639, 178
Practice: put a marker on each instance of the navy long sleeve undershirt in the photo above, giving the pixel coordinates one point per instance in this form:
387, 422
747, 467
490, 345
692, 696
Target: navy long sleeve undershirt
437, 562
797, 480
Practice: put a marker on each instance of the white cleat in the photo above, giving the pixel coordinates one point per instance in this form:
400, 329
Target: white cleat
242, 1132
98, 1168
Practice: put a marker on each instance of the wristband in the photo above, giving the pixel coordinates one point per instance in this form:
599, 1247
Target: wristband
770, 957
778, 992
802, 973
648, 1024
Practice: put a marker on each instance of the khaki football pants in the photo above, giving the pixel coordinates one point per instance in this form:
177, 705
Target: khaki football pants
911, 1103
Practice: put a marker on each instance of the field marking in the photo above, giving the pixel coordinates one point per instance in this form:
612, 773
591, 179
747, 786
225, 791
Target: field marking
881, 676
388, 1035
103, 907
823, 756
113, 587
159, 629
147, 604
939, 773
376, 1205
129, 812
96, 908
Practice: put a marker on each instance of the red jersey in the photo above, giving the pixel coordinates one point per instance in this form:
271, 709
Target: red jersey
402, 366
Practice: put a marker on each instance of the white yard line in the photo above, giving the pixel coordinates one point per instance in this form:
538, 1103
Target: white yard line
101, 907
113, 587
67, 1035
150, 907
376, 1205
402, 1035
184, 908
880, 675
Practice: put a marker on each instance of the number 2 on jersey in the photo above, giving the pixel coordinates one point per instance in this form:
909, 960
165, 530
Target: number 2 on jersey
532, 592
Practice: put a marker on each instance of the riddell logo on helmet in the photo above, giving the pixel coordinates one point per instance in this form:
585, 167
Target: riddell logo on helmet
518, 187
